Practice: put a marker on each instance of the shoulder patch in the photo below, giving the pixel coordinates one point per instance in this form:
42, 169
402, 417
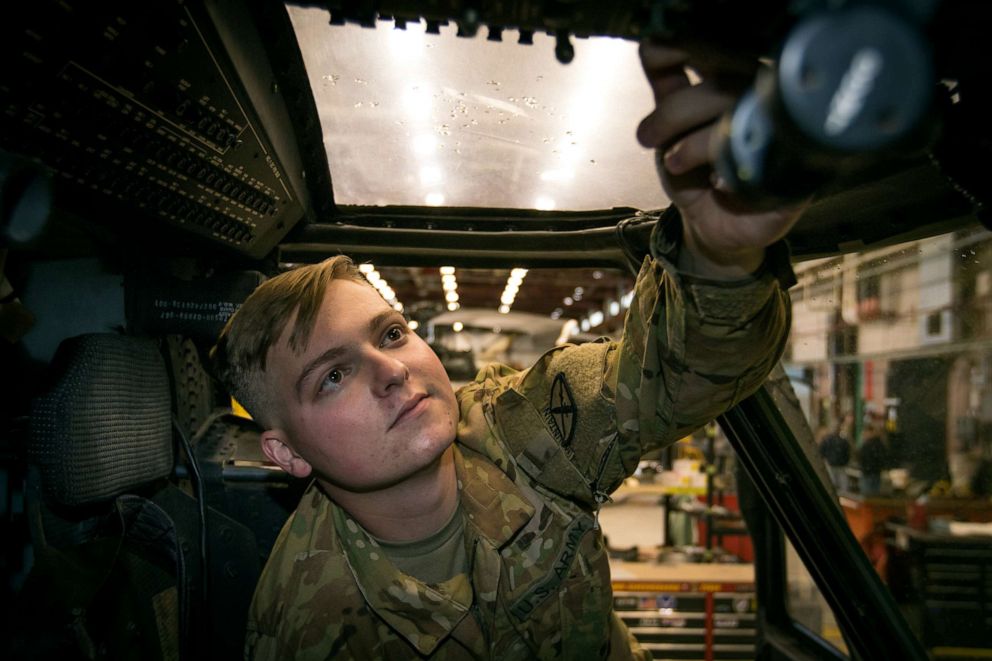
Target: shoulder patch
561, 412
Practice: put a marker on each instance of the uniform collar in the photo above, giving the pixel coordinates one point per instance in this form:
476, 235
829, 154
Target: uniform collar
493, 504
422, 614
494, 508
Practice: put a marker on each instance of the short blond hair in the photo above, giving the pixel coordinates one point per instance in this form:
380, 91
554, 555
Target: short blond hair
238, 358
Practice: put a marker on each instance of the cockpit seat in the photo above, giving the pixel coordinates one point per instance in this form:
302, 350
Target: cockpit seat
128, 563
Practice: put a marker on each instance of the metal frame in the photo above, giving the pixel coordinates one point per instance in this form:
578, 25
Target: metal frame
790, 488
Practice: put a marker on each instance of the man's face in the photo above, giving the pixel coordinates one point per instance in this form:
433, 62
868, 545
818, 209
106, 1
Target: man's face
368, 403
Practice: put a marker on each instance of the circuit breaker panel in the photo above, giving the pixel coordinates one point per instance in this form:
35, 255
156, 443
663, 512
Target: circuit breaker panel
147, 106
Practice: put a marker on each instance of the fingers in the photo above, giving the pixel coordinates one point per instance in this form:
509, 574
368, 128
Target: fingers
722, 229
664, 67
681, 112
689, 153
656, 56
680, 107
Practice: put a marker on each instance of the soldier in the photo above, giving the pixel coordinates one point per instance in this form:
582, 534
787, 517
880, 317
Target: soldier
835, 448
463, 525
873, 458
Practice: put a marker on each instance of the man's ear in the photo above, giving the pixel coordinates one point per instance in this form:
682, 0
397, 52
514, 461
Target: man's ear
279, 452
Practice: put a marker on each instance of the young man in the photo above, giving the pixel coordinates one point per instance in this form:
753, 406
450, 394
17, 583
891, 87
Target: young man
463, 525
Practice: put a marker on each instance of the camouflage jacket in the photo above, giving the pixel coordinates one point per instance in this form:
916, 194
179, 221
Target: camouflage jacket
536, 454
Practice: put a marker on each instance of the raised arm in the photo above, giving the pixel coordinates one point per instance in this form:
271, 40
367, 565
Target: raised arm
708, 322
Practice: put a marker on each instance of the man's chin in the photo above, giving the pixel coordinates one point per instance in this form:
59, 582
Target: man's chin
418, 468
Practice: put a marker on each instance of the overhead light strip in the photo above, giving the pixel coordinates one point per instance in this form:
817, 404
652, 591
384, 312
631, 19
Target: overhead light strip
376, 280
449, 284
513, 284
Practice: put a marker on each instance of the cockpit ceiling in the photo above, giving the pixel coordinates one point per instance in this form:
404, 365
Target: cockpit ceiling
260, 130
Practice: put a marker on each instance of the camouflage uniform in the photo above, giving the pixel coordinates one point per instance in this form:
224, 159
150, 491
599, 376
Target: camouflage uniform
536, 453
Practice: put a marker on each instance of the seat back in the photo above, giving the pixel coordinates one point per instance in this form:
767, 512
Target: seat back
110, 572
129, 565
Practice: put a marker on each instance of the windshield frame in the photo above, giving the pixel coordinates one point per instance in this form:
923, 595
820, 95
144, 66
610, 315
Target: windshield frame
771, 455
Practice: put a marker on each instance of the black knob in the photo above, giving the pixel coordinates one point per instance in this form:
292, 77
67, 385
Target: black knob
564, 50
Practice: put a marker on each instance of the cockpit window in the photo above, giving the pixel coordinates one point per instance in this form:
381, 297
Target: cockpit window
418, 119
891, 358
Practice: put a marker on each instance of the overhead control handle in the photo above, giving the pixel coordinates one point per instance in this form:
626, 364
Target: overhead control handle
851, 87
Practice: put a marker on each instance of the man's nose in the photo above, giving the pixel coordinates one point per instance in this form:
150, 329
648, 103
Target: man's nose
388, 373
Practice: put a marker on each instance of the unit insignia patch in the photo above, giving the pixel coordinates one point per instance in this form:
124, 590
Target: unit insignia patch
561, 411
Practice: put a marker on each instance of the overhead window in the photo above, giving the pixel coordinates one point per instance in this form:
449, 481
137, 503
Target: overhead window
420, 119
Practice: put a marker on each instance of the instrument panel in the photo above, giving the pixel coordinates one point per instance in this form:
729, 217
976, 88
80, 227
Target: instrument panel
140, 103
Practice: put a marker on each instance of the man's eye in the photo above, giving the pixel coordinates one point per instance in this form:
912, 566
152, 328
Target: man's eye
331, 380
394, 334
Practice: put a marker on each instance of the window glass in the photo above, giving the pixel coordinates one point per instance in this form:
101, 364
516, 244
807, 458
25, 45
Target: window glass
806, 603
417, 119
891, 352
682, 561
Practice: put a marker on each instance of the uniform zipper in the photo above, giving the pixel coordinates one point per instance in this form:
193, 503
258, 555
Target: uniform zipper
598, 494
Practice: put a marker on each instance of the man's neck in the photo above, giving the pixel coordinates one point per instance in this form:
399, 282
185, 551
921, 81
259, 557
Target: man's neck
411, 510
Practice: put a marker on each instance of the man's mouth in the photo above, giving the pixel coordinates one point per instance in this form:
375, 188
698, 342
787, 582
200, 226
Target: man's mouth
410, 409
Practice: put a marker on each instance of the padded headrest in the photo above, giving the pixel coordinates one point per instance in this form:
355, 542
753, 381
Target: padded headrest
104, 427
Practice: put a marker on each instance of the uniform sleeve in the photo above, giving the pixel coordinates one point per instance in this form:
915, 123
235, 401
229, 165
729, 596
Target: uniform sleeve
690, 350
693, 348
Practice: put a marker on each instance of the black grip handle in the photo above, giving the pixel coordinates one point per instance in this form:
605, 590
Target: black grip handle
850, 89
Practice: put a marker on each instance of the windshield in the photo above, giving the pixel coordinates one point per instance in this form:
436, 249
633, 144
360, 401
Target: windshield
419, 119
